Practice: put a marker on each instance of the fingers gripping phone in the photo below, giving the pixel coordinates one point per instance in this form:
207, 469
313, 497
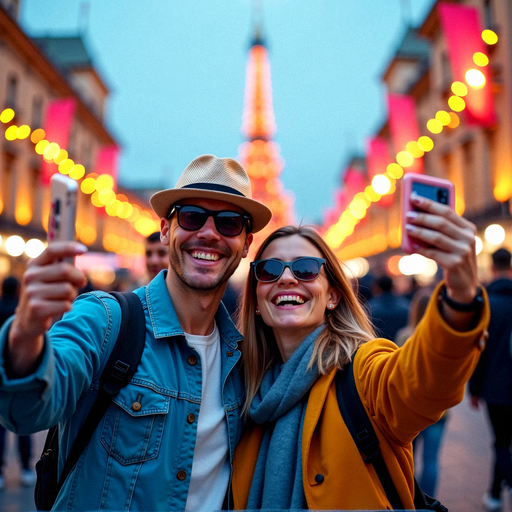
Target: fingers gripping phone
436, 189
61, 222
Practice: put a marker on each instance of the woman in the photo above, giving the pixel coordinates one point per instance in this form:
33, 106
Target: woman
301, 323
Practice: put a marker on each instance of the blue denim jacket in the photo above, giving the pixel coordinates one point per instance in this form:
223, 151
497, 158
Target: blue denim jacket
137, 459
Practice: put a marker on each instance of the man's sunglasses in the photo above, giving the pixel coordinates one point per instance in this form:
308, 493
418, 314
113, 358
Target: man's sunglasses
192, 218
306, 268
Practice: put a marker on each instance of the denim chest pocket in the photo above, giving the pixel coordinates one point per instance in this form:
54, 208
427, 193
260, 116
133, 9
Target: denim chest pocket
134, 423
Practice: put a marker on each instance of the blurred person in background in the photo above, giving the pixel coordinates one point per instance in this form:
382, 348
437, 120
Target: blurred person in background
389, 311
430, 438
8, 303
492, 380
157, 257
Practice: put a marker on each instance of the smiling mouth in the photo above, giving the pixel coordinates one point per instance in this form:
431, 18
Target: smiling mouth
204, 256
289, 300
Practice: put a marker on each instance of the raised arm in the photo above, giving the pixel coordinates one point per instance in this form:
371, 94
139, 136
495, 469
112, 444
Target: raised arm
451, 240
48, 288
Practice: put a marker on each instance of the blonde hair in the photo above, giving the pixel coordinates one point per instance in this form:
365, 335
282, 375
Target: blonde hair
346, 327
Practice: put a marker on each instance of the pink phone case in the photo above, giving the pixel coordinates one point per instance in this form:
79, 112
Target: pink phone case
437, 189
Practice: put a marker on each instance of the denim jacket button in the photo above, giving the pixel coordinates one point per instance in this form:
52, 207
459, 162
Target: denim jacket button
192, 360
136, 406
181, 475
191, 418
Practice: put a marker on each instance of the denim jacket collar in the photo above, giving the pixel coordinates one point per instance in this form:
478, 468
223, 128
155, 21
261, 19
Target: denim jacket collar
165, 321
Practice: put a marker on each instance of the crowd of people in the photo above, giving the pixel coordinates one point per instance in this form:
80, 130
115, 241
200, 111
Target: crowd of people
215, 411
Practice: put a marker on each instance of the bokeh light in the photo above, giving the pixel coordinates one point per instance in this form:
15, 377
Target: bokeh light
480, 59
34, 247
7, 115
489, 36
479, 245
426, 143
443, 117
381, 184
15, 245
475, 78
395, 171
495, 234
456, 103
404, 158
434, 126
23, 131
37, 135
454, 120
459, 88
414, 149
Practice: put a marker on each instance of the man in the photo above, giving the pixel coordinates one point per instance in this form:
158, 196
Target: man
389, 312
156, 255
167, 440
492, 379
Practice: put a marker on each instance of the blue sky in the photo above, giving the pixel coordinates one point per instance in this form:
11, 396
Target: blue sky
176, 70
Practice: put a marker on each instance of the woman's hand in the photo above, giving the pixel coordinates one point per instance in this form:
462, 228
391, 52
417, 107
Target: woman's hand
450, 241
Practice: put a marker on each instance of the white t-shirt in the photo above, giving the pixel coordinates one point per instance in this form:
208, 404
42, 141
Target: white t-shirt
210, 468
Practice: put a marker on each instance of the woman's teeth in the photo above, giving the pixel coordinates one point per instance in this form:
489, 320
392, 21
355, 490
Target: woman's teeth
294, 299
205, 256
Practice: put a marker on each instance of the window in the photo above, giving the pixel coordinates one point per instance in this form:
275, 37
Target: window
488, 14
12, 85
37, 112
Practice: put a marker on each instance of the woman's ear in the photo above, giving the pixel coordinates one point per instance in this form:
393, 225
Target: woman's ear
334, 297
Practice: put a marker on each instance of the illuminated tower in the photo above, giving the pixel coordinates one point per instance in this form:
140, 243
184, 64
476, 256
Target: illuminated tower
260, 154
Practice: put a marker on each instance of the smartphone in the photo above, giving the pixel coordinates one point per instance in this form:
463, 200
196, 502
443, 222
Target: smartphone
436, 189
61, 222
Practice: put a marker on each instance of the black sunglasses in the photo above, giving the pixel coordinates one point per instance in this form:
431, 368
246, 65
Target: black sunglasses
192, 218
306, 268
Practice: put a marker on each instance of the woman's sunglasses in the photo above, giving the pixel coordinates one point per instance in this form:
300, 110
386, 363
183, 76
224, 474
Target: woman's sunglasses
192, 218
306, 268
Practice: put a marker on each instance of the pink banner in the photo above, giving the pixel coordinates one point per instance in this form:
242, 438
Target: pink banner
107, 161
462, 30
403, 124
57, 126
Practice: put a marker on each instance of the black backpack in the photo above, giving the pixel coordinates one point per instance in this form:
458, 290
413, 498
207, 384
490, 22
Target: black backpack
118, 372
360, 427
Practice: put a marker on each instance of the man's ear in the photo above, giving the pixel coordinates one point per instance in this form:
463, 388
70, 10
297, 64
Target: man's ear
248, 242
164, 231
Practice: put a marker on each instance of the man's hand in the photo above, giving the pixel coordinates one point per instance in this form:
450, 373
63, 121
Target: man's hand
48, 288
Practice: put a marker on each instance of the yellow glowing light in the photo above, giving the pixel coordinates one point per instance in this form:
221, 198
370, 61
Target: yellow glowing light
459, 89
23, 131
426, 143
88, 235
15, 245
126, 211
454, 120
95, 199
372, 195
7, 115
11, 133
51, 151
111, 208
480, 59
489, 36
434, 126
361, 196
41, 146
479, 245
37, 135
66, 166
135, 214
475, 78
443, 117
381, 184
88, 186
334, 239
404, 158
77, 171
61, 156
23, 212
395, 171
456, 103
414, 149
104, 181
502, 192
105, 195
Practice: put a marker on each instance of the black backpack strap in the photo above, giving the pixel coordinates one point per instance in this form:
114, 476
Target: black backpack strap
360, 427
118, 372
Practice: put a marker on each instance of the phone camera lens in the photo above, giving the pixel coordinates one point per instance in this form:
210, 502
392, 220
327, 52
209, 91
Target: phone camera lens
442, 196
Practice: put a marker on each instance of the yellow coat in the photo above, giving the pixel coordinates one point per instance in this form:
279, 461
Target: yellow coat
403, 390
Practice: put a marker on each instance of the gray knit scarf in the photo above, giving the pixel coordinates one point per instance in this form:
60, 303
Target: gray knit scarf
280, 406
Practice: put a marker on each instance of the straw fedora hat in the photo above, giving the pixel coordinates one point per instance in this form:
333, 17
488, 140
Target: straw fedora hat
209, 177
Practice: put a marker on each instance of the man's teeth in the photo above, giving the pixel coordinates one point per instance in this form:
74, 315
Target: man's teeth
289, 298
205, 256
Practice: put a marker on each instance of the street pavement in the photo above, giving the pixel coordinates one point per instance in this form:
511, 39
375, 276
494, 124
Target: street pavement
464, 473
